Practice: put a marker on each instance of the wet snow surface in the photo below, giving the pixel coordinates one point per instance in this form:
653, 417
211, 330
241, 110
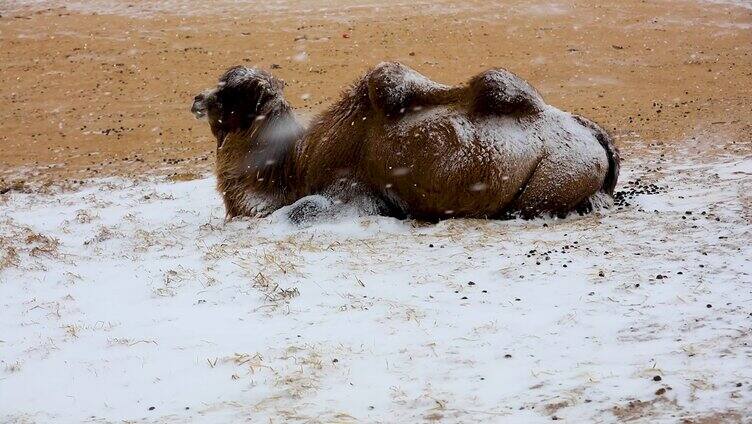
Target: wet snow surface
137, 302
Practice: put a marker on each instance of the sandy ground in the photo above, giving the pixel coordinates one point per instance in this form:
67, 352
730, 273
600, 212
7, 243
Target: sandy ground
102, 87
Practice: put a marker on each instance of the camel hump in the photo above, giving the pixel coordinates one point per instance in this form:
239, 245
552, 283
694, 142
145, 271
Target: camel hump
498, 91
394, 87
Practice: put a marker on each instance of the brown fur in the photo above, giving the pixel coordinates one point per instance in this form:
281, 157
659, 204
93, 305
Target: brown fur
411, 146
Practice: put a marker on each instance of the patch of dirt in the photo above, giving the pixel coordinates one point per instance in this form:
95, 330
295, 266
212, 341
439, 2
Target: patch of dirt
640, 410
552, 408
184, 176
18, 186
715, 418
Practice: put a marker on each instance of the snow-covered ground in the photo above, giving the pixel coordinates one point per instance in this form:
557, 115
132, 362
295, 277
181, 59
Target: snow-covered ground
137, 302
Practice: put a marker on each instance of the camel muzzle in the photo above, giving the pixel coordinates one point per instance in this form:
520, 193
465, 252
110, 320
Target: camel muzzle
199, 106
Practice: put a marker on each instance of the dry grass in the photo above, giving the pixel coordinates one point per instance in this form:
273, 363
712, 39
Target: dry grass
252, 363
84, 216
174, 279
41, 245
271, 290
126, 342
144, 240
279, 261
17, 240
304, 375
14, 367
102, 234
8, 255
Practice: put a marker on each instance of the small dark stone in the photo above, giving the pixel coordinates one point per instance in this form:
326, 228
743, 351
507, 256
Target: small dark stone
151, 408
464, 297
738, 384
430, 245
660, 391
657, 378
708, 306
335, 360
470, 283
507, 356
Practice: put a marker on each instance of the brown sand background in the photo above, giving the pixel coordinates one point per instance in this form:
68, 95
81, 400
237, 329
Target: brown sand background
96, 89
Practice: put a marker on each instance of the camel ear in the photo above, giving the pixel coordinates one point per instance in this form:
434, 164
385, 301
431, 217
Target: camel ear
256, 93
278, 84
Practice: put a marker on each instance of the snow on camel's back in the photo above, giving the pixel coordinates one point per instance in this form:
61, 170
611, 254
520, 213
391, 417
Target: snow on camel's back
399, 144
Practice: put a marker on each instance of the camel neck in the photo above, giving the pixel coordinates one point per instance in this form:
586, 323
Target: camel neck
264, 154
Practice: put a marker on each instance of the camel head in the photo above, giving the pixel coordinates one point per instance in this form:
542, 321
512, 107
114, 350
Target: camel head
241, 96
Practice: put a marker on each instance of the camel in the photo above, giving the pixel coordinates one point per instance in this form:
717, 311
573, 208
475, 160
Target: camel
399, 144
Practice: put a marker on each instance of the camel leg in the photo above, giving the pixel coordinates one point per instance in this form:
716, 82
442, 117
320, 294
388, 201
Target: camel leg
555, 189
337, 201
309, 209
